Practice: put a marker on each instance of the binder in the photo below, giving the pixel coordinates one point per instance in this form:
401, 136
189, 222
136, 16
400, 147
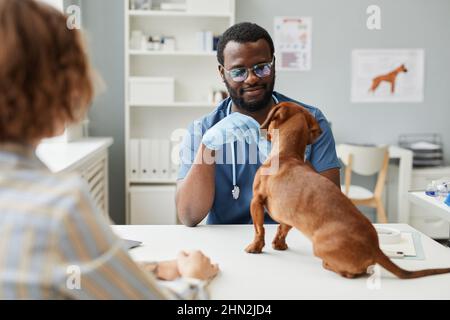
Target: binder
134, 159
145, 165
164, 159
209, 40
199, 37
154, 160
174, 159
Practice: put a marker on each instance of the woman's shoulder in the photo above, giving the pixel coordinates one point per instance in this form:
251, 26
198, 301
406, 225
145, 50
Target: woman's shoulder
63, 182
54, 189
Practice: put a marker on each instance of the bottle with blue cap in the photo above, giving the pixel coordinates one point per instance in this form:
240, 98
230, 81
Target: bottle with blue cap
431, 189
442, 190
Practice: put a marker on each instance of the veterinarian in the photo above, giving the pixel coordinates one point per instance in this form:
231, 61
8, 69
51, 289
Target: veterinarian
218, 168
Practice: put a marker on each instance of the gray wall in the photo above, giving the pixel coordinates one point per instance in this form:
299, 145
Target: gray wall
338, 27
103, 21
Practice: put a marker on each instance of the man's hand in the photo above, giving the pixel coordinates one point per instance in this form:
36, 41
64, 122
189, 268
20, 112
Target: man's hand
235, 127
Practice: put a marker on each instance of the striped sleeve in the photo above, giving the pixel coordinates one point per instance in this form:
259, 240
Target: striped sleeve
93, 263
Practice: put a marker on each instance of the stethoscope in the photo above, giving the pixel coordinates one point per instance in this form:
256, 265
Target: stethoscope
236, 190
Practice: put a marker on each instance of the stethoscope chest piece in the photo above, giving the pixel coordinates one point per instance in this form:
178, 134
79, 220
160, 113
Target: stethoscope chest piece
235, 192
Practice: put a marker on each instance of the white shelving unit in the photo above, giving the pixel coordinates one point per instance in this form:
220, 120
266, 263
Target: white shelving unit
172, 53
166, 13
152, 128
200, 104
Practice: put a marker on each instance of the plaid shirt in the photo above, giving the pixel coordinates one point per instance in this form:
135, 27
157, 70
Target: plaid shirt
54, 242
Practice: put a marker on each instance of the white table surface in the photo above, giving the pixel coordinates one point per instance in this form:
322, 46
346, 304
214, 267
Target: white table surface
64, 156
431, 204
291, 274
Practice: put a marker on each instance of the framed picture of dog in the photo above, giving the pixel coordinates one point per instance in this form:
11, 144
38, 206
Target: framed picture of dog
387, 75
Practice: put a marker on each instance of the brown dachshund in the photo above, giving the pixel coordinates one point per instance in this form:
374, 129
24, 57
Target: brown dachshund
297, 196
389, 77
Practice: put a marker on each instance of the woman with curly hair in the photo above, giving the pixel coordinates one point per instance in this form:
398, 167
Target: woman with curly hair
51, 232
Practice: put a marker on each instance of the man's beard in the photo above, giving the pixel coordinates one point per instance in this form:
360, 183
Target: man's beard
254, 106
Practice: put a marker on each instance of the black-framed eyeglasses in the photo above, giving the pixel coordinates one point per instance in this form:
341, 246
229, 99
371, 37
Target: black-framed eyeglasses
261, 70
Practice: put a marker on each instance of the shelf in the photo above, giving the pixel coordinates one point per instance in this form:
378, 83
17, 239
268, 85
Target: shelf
172, 53
146, 182
176, 105
194, 72
161, 13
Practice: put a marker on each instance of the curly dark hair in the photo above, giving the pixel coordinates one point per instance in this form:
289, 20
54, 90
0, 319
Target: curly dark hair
241, 33
45, 77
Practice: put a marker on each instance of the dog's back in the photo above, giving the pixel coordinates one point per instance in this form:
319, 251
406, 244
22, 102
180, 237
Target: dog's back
297, 196
300, 197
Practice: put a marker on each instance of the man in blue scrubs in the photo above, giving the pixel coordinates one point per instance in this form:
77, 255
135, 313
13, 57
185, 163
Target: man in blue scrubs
216, 179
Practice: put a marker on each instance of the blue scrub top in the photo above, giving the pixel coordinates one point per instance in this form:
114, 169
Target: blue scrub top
225, 209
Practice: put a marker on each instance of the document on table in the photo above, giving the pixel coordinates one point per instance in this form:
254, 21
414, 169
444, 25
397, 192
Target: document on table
406, 245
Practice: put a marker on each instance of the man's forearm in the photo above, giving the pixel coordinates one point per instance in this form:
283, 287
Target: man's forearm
195, 193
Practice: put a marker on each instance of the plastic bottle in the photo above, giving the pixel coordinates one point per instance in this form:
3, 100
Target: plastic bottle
442, 191
431, 189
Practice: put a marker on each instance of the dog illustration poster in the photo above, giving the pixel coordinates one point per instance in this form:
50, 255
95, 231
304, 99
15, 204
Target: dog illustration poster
387, 75
293, 43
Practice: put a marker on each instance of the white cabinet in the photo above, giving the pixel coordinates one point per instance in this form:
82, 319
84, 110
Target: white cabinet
171, 76
430, 225
95, 173
152, 205
88, 157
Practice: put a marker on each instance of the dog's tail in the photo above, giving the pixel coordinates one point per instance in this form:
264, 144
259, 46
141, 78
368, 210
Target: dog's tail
386, 263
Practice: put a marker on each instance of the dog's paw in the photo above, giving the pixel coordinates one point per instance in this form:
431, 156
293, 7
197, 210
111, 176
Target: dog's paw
254, 247
279, 245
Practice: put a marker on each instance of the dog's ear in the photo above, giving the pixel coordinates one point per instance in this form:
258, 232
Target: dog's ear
314, 128
270, 116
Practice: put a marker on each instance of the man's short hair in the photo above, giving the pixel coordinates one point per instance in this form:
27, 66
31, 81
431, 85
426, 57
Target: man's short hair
241, 33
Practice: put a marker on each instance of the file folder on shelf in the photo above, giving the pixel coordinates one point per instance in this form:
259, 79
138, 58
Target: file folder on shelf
164, 159
174, 159
134, 159
145, 153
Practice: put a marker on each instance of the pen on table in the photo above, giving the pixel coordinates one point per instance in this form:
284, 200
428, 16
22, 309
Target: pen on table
394, 254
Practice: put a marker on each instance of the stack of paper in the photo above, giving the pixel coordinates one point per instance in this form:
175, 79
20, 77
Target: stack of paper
403, 248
